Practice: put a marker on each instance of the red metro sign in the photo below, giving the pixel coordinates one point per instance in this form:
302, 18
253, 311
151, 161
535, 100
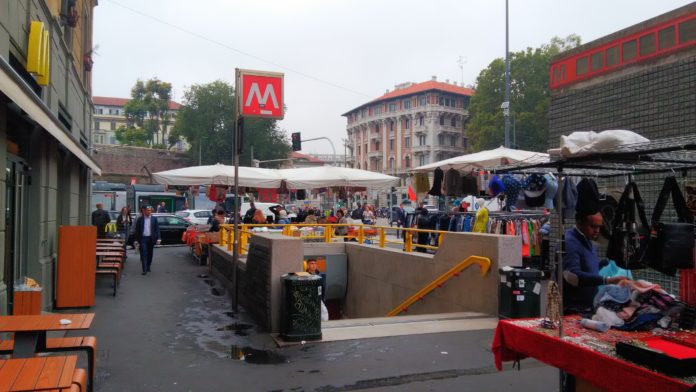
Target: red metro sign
261, 94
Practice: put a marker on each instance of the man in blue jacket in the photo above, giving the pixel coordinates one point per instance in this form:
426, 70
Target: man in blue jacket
147, 234
581, 264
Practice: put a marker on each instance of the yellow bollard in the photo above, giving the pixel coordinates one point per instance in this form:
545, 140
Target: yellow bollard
230, 239
361, 234
382, 237
408, 243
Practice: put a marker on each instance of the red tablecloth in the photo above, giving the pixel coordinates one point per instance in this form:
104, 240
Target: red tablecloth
583, 353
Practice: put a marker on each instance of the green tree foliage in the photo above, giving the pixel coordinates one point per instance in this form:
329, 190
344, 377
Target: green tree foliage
207, 119
529, 98
147, 114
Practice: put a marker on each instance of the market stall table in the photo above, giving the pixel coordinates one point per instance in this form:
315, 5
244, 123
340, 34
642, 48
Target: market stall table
30, 330
37, 374
586, 354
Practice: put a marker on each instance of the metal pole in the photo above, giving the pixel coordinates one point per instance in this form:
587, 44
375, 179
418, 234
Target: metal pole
238, 129
507, 78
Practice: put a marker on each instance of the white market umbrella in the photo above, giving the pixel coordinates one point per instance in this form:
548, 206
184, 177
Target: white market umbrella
219, 174
326, 176
483, 159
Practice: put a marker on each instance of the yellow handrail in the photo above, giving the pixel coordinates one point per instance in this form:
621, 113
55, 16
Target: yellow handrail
360, 235
483, 262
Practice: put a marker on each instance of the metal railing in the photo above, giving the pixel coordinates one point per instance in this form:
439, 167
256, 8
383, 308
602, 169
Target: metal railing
326, 232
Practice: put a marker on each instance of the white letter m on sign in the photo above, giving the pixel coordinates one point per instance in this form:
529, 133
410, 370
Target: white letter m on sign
255, 91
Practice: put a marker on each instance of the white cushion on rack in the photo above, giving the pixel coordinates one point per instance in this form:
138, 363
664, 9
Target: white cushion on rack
583, 143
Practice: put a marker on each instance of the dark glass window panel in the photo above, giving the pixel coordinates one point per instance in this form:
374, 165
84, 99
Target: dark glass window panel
687, 31
629, 50
581, 66
612, 56
666, 38
647, 44
597, 61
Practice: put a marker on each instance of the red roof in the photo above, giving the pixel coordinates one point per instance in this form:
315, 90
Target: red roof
297, 155
419, 88
120, 102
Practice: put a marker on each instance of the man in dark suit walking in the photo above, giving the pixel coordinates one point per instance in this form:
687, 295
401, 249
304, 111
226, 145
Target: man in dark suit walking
147, 234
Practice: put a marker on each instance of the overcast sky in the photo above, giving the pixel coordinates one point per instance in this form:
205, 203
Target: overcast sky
336, 54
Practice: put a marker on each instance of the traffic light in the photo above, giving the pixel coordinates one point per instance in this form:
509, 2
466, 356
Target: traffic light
296, 141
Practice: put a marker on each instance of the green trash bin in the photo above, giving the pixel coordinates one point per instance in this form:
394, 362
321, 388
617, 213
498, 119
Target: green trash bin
301, 308
519, 292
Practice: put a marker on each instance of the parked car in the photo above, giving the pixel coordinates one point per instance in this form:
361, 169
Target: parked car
431, 209
172, 228
259, 206
198, 217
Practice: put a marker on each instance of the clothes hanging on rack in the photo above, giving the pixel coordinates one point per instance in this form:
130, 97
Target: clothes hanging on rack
453, 183
481, 220
436, 190
512, 191
588, 197
470, 184
421, 183
551, 190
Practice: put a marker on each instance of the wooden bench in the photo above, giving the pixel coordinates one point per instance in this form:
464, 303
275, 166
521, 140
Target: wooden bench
88, 344
113, 272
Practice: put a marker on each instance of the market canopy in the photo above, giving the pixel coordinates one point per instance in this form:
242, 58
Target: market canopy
219, 174
325, 176
485, 159
255, 177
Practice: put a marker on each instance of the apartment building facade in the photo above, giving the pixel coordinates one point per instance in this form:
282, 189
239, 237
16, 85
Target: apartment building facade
110, 114
45, 135
412, 125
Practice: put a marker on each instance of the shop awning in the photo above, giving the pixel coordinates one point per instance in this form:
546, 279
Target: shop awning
219, 174
17, 91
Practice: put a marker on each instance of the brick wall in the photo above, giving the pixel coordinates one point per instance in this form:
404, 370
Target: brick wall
656, 100
121, 163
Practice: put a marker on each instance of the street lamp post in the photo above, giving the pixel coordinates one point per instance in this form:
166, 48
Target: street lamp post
506, 109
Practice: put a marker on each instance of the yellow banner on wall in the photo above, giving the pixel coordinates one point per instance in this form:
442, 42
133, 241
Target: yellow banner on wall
38, 54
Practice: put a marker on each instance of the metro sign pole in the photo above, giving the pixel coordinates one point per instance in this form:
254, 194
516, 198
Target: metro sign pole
259, 94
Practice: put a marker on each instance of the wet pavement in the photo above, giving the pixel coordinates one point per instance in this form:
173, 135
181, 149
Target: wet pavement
174, 330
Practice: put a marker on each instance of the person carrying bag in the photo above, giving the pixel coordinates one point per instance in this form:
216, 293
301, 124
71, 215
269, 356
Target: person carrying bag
671, 244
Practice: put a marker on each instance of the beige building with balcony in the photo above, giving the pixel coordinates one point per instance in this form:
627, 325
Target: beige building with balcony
415, 124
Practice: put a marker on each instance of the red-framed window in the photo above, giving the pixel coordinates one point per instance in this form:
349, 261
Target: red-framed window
655, 41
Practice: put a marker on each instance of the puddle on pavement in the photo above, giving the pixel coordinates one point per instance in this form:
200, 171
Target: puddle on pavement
217, 292
238, 328
209, 282
257, 357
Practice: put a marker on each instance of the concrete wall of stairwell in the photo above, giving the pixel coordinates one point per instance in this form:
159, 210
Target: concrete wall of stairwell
380, 279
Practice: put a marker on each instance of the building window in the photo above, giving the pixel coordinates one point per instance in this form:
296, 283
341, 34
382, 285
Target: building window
421, 120
442, 120
358, 150
422, 160
407, 162
365, 148
687, 31
407, 123
647, 44
100, 111
628, 51
421, 140
453, 141
96, 125
666, 38
453, 122
391, 144
112, 140
391, 163
407, 142
422, 101
612, 56
376, 146
392, 107
407, 104
581, 66
441, 139
113, 126
597, 61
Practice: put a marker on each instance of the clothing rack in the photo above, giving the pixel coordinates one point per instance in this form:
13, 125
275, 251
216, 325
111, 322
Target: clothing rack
666, 155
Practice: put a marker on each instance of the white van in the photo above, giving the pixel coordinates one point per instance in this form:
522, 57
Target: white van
265, 207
